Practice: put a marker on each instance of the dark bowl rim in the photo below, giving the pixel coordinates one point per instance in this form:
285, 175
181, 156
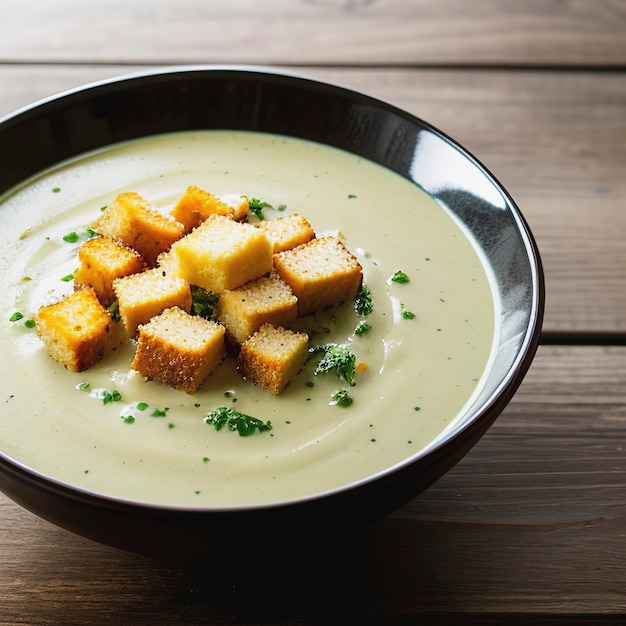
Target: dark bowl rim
487, 412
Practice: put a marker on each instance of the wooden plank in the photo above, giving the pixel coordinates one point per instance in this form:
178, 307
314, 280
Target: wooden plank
532, 520
331, 32
557, 141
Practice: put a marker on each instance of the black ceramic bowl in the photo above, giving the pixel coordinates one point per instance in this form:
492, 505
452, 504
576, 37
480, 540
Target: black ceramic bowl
82, 120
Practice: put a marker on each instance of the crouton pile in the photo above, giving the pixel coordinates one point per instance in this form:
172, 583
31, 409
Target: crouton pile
145, 265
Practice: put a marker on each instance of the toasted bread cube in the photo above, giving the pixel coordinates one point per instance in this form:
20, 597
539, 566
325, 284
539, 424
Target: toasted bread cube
196, 205
78, 331
287, 232
272, 356
266, 300
178, 349
239, 205
131, 221
321, 273
102, 260
144, 295
222, 254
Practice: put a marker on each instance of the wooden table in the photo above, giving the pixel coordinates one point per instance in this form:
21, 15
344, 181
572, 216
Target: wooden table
533, 520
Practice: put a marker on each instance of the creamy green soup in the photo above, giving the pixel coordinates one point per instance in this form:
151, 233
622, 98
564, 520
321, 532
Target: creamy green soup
152, 444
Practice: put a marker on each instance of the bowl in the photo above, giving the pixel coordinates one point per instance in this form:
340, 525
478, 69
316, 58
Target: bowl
88, 119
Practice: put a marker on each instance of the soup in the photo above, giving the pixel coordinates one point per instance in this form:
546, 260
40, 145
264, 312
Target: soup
110, 431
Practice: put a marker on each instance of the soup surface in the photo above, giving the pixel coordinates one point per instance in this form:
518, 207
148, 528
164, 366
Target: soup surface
152, 443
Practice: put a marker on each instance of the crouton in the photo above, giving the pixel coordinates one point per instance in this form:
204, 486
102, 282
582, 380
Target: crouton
266, 300
131, 221
221, 254
287, 232
144, 295
272, 356
239, 205
102, 260
321, 273
78, 331
196, 205
178, 349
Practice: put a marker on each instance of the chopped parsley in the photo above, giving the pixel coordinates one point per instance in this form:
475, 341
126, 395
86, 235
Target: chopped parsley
203, 302
336, 359
362, 328
256, 206
67, 278
341, 398
400, 277
160, 413
71, 237
363, 304
74, 237
114, 311
244, 424
406, 314
142, 406
18, 315
84, 386
110, 395
56, 189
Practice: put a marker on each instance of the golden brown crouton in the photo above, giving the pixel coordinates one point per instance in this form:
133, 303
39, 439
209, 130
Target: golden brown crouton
266, 300
178, 349
196, 205
131, 221
102, 260
78, 331
272, 357
144, 295
321, 273
287, 232
221, 254
239, 205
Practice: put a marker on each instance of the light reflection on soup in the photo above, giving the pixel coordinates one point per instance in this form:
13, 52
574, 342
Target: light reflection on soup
421, 372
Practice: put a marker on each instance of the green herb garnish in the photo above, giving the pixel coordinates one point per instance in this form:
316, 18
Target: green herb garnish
128, 419
406, 314
30, 323
114, 311
110, 395
16, 317
235, 421
67, 278
84, 386
71, 237
142, 406
338, 359
56, 189
256, 206
400, 277
363, 304
341, 398
362, 328
159, 413
203, 302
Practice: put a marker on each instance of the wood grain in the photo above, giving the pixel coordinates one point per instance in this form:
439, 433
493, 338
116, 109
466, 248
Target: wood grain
304, 32
532, 520
531, 523
557, 141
